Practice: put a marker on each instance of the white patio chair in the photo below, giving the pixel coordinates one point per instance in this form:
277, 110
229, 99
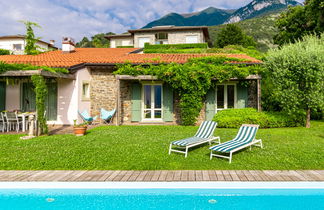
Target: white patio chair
244, 138
3, 123
13, 121
205, 134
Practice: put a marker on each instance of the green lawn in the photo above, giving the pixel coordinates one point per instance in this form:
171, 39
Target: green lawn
146, 148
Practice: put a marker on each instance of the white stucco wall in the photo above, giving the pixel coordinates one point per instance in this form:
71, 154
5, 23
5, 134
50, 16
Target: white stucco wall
13, 97
82, 75
137, 36
69, 99
8, 43
66, 102
124, 41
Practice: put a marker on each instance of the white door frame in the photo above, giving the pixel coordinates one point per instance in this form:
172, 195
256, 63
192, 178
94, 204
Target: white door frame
225, 96
152, 109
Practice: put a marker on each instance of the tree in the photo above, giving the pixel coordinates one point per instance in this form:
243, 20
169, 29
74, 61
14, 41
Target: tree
97, 41
297, 73
299, 21
31, 47
233, 35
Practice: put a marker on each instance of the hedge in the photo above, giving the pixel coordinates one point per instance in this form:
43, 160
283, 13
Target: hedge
130, 46
175, 46
234, 118
4, 52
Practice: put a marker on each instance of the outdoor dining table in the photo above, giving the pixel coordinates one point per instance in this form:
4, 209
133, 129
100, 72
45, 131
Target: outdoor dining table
24, 117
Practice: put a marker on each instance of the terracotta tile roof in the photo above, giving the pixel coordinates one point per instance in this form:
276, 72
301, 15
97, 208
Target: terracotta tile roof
106, 55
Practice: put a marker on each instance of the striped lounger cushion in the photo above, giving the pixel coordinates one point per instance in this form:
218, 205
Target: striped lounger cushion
245, 135
205, 131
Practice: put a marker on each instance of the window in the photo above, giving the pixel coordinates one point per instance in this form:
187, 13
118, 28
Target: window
161, 35
152, 102
191, 39
161, 38
17, 46
85, 90
225, 96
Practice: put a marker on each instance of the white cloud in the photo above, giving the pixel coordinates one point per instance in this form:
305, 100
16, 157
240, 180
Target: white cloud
79, 18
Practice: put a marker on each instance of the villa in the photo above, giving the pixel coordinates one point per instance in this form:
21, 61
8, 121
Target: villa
91, 85
160, 35
16, 44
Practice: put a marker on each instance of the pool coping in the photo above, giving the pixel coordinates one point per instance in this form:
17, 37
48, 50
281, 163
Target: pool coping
161, 185
162, 176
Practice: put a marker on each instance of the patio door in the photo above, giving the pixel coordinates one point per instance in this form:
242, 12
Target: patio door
2, 96
152, 102
28, 99
225, 96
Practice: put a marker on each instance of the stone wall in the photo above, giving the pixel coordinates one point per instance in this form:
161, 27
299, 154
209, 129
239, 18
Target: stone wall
174, 37
179, 37
103, 90
252, 94
104, 95
126, 102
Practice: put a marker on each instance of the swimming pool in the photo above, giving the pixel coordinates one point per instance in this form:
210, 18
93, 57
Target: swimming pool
159, 196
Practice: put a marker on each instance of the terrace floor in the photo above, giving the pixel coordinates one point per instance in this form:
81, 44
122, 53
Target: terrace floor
160, 175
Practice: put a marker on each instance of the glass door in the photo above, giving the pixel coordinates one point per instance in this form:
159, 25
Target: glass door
152, 102
225, 97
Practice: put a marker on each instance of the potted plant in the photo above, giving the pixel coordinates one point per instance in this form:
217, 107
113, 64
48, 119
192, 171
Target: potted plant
80, 129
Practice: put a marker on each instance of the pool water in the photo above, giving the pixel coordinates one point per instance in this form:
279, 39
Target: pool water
162, 199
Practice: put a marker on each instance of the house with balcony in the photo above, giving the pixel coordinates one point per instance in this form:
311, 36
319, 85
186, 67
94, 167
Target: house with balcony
160, 35
16, 44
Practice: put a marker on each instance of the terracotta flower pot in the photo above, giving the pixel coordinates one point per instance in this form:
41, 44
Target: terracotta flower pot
80, 131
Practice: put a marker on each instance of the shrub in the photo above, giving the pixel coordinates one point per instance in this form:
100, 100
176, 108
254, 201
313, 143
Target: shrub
234, 118
176, 46
4, 52
130, 46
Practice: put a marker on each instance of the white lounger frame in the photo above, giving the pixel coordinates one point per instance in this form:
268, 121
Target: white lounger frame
256, 142
210, 140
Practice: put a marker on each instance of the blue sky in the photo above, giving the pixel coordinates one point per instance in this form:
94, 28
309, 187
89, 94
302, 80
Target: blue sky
79, 18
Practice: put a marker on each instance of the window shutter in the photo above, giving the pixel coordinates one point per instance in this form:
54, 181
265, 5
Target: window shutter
167, 103
210, 104
136, 102
2, 96
51, 101
242, 96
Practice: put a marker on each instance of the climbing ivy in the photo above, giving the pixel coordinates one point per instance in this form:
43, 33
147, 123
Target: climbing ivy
31, 40
193, 79
19, 66
39, 83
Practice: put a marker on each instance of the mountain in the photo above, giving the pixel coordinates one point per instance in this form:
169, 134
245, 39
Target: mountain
259, 7
213, 16
262, 29
209, 16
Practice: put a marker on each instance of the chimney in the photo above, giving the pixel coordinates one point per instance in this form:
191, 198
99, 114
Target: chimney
52, 43
68, 45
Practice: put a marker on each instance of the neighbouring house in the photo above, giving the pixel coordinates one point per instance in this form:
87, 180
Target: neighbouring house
160, 35
91, 85
16, 44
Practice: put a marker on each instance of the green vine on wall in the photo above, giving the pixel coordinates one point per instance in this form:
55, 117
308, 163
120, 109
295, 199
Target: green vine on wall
39, 83
193, 79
